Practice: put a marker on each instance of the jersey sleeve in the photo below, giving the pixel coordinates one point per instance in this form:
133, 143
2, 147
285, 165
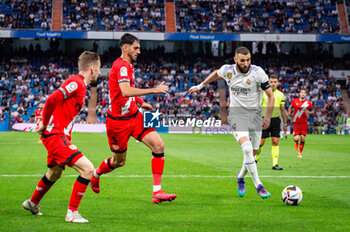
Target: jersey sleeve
283, 100
123, 73
309, 106
293, 103
223, 72
70, 88
263, 79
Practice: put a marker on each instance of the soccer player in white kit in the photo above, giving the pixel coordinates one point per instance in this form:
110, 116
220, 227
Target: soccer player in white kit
246, 83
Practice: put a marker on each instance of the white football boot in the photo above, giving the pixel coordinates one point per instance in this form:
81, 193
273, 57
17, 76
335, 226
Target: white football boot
75, 217
33, 208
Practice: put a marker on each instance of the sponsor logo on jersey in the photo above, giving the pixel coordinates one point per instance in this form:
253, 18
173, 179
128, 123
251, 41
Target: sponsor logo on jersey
229, 75
236, 90
71, 87
123, 72
73, 147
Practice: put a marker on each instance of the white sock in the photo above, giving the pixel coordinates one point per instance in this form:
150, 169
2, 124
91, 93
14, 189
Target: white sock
95, 175
249, 162
253, 171
156, 188
243, 171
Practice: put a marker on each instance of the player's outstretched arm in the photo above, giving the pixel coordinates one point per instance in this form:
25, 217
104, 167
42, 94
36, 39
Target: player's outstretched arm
290, 110
212, 77
129, 91
309, 111
284, 117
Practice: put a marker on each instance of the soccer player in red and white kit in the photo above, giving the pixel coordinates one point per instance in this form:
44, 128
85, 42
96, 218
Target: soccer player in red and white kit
124, 119
301, 108
56, 127
38, 115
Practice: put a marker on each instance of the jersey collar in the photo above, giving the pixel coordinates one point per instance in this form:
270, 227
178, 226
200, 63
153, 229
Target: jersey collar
82, 78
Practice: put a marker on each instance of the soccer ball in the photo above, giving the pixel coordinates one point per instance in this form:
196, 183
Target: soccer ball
292, 195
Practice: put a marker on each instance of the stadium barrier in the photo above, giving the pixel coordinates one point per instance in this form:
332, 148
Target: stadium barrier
223, 129
159, 36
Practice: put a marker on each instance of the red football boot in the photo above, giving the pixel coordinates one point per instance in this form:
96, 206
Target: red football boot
160, 196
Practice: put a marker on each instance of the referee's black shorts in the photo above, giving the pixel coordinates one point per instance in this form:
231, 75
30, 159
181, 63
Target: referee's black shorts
273, 130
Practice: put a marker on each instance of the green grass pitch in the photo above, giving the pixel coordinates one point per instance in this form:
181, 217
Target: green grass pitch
200, 169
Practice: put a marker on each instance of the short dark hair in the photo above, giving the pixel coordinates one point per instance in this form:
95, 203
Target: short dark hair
303, 89
127, 39
86, 59
273, 76
242, 50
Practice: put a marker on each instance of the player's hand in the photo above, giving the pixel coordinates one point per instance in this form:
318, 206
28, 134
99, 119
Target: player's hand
266, 123
162, 88
40, 128
147, 106
193, 89
285, 129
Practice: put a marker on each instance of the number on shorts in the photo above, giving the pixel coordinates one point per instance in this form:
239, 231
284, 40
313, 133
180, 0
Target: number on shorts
234, 126
65, 140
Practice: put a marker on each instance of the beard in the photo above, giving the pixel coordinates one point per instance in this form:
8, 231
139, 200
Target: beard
93, 83
241, 70
133, 58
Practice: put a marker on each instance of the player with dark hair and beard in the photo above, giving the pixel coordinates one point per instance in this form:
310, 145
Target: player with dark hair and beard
246, 84
125, 120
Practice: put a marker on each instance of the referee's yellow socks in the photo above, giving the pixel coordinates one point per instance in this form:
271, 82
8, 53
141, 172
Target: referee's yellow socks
275, 150
258, 154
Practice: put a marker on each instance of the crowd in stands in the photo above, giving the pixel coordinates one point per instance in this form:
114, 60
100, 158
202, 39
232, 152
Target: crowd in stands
262, 16
24, 83
25, 14
122, 15
267, 16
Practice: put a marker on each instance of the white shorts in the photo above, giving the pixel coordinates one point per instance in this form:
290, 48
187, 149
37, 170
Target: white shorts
246, 124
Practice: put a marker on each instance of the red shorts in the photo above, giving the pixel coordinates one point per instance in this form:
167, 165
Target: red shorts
300, 128
60, 151
120, 130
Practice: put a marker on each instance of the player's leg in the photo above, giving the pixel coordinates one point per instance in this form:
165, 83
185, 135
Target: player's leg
296, 132
85, 169
255, 136
275, 136
117, 160
156, 144
118, 133
302, 143
262, 142
44, 185
275, 153
249, 165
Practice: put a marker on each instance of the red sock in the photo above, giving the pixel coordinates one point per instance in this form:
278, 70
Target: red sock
301, 147
43, 186
157, 168
78, 192
105, 167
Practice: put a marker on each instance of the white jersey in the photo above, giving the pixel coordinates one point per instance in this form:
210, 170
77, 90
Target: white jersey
246, 89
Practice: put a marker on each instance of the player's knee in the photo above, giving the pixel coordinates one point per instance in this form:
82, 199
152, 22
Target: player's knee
54, 175
88, 171
159, 147
118, 163
274, 143
247, 147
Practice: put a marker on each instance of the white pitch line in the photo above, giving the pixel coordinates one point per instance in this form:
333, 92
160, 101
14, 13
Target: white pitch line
190, 176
